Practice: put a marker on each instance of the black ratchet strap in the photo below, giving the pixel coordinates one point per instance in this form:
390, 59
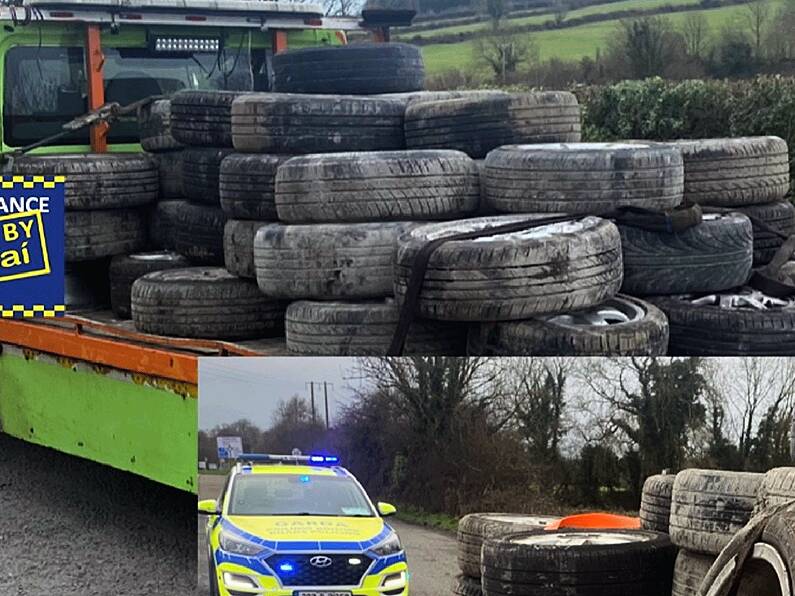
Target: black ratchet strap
677, 220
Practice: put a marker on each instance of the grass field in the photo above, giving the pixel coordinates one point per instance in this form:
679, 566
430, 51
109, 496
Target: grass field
573, 43
539, 19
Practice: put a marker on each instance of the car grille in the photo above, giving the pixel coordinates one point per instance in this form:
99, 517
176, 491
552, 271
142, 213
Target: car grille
339, 573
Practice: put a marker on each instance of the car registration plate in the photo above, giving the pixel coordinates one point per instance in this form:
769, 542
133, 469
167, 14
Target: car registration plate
317, 593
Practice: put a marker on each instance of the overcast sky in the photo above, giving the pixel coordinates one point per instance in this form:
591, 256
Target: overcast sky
235, 388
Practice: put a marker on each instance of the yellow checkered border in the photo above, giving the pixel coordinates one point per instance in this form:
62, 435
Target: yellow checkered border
30, 181
30, 311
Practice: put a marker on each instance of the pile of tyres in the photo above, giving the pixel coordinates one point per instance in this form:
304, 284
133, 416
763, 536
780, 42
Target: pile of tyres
303, 212
687, 520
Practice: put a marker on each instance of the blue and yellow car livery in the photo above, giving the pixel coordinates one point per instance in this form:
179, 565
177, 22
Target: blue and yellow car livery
300, 526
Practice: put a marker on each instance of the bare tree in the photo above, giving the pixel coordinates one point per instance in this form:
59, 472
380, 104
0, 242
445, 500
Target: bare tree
561, 11
695, 31
757, 14
504, 52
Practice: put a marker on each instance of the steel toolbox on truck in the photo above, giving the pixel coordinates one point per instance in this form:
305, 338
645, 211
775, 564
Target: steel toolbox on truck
89, 385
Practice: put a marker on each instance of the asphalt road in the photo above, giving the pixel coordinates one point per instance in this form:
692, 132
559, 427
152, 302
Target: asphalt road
431, 554
71, 527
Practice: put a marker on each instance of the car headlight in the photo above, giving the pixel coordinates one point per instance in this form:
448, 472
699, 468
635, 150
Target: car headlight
237, 545
390, 546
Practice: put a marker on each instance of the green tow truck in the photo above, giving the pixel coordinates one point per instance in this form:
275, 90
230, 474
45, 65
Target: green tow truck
86, 385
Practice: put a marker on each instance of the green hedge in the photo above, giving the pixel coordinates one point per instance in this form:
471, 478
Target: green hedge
656, 109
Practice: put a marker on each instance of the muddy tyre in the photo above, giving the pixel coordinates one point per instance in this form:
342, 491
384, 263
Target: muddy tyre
125, 269
201, 172
701, 327
690, 570
779, 216
199, 233
90, 235
579, 563
98, 181
364, 329
239, 246
655, 503
327, 261
154, 122
550, 269
582, 178
356, 69
203, 118
474, 528
169, 172
715, 255
709, 506
778, 488
476, 125
299, 124
735, 172
378, 186
466, 586
247, 185
622, 326
203, 302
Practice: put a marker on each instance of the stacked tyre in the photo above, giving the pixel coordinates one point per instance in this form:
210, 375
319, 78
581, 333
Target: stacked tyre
106, 197
206, 300
708, 507
744, 182
474, 529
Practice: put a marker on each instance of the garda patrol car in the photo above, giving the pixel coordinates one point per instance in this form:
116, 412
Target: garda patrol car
300, 525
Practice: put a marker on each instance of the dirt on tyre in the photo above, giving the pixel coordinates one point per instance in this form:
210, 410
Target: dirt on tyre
779, 216
125, 269
655, 502
203, 302
203, 118
154, 122
621, 326
239, 246
579, 563
355, 69
544, 270
90, 235
582, 178
689, 571
715, 255
161, 221
199, 233
364, 329
327, 261
201, 173
778, 488
734, 323
466, 586
284, 123
169, 171
476, 125
709, 506
247, 185
735, 172
98, 180
377, 186
474, 528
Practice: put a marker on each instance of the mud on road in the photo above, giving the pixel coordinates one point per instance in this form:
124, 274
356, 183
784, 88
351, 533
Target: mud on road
431, 553
71, 527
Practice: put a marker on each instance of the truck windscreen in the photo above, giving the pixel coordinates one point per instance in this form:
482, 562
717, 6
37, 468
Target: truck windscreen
45, 87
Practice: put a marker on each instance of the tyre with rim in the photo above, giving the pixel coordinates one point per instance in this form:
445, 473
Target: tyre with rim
125, 269
621, 326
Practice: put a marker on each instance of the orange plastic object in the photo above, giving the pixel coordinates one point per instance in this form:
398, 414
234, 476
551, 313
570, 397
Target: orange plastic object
595, 521
95, 61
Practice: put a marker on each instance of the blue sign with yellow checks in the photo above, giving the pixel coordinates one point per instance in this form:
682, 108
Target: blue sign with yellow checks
31, 246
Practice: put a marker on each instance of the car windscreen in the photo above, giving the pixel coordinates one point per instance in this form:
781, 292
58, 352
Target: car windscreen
46, 87
294, 494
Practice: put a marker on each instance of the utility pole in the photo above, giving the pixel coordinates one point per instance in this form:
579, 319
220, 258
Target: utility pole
312, 399
325, 392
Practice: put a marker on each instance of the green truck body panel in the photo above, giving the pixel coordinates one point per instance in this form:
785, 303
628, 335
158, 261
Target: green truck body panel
139, 424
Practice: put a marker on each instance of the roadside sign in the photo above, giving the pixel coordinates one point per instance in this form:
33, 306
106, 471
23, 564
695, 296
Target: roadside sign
31, 246
229, 447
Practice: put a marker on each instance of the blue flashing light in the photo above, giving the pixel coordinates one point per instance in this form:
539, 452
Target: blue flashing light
304, 479
324, 459
316, 459
286, 567
332, 459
